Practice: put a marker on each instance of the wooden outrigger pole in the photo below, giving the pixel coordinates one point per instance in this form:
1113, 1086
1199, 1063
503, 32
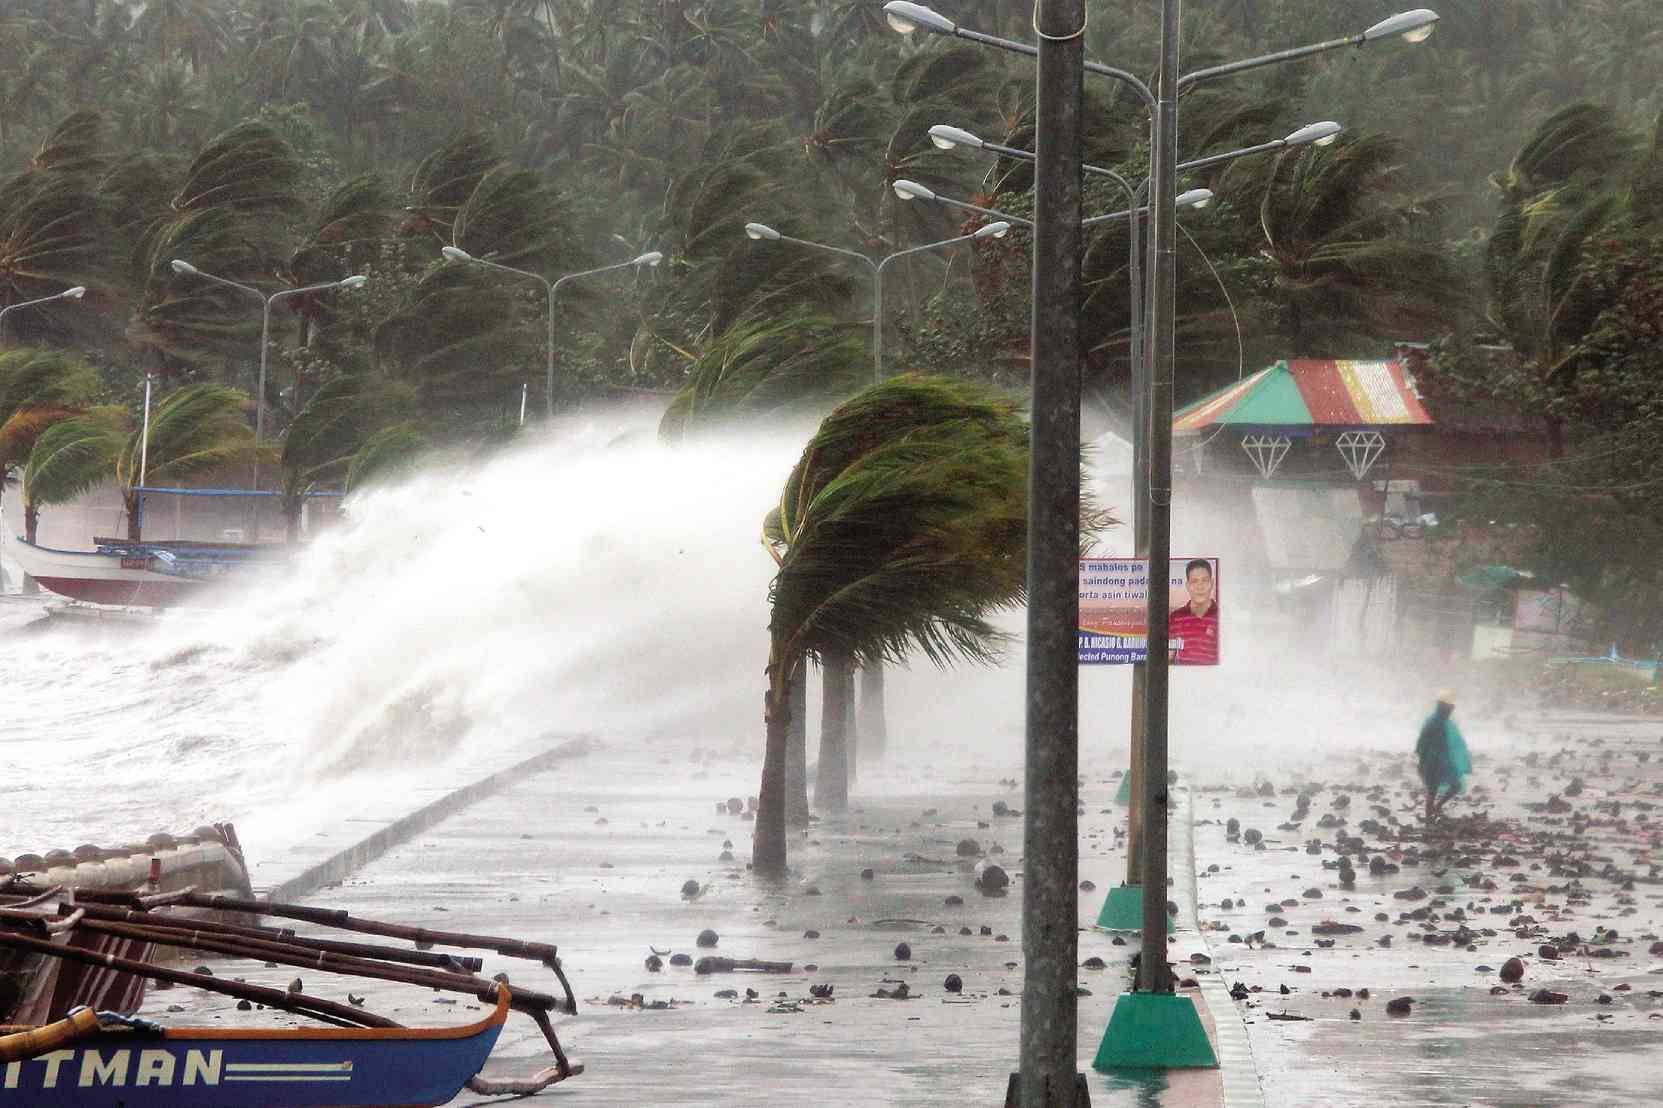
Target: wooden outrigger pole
134, 917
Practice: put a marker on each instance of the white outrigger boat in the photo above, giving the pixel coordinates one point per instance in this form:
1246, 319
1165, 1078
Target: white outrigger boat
141, 574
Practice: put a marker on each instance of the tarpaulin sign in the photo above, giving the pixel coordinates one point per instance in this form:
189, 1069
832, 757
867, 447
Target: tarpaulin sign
1114, 627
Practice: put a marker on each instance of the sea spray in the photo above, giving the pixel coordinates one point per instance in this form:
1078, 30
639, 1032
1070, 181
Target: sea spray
588, 580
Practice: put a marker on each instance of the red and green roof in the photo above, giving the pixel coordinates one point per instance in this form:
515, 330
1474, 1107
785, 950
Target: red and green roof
1305, 394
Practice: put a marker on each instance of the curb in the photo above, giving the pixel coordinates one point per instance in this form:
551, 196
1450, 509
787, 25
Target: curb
1235, 1053
401, 830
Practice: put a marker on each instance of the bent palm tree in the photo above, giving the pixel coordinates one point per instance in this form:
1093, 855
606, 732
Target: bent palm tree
907, 544
327, 434
389, 453
767, 367
38, 388
72, 456
198, 430
1351, 256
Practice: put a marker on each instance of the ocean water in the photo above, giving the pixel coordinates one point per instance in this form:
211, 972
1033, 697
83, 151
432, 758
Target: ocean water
589, 580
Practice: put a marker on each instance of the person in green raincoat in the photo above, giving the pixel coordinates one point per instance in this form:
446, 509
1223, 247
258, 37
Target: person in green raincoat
1444, 762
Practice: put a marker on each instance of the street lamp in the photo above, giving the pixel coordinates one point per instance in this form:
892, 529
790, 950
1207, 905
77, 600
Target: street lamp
1324, 133
186, 269
912, 190
946, 137
1410, 26
552, 289
1049, 902
761, 232
73, 293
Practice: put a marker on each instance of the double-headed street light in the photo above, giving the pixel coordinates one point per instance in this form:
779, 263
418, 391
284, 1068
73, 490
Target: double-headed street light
946, 137
1410, 26
912, 190
761, 232
186, 269
73, 293
552, 289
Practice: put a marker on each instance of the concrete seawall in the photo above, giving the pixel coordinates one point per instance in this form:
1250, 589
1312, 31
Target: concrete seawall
341, 861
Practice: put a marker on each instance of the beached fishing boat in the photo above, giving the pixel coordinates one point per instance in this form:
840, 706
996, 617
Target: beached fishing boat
35, 989
115, 1060
140, 574
104, 1061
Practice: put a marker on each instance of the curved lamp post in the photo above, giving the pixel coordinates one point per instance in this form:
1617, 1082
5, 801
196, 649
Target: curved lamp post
761, 232
186, 269
552, 289
73, 293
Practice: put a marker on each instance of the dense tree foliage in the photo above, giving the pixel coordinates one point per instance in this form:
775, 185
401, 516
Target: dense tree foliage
1498, 184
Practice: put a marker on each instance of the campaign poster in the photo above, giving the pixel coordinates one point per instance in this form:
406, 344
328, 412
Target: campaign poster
1114, 628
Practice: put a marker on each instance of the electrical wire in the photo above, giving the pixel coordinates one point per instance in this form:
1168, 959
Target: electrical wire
1241, 349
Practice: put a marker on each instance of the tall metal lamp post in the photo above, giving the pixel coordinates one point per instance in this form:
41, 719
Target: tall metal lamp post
73, 293
764, 233
186, 269
1137, 1035
552, 289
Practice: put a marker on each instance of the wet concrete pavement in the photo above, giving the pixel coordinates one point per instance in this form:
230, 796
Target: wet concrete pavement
1534, 872
594, 858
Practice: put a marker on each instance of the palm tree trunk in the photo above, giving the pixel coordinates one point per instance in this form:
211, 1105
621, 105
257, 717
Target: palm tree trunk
768, 845
134, 522
796, 750
291, 518
874, 725
831, 784
31, 525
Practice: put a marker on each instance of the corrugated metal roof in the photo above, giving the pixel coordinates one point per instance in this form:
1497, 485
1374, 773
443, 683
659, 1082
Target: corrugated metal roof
1309, 394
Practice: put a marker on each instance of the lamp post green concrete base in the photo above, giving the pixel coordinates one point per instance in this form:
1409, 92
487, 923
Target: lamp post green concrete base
1123, 795
1123, 910
1154, 1031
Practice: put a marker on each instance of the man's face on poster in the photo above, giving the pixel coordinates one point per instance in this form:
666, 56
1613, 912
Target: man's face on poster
1199, 583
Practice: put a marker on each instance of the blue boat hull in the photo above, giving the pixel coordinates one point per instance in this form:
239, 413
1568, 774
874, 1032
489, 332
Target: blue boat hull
210, 1068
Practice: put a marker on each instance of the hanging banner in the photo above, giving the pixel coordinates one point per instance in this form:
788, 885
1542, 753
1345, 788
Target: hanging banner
1114, 626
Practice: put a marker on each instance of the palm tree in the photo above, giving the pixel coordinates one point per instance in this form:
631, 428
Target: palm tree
1351, 255
458, 345
290, 42
196, 29
28, 73
52, 236
74, 147
72, 456
513, 218
892, 541
389, 453
163, 107
325, 438
249, 169
766, 367
356, 219
1563, 186
38, 388
445, 179
198, 430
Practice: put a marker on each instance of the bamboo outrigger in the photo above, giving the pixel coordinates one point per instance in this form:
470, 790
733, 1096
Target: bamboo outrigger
367, 1059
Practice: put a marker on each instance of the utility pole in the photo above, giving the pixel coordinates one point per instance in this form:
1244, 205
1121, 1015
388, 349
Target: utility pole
1153, 975
1050, 895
